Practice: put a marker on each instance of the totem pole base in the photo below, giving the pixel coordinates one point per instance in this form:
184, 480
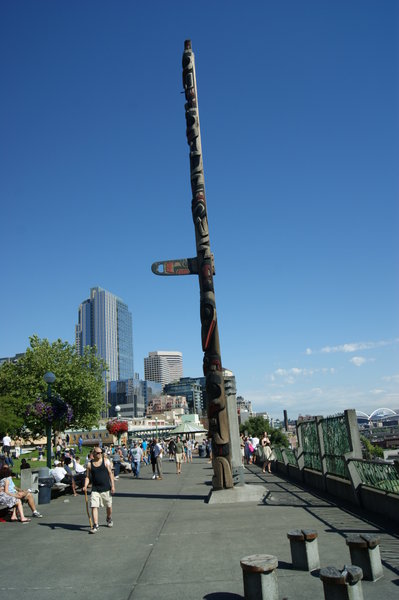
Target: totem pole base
241, 493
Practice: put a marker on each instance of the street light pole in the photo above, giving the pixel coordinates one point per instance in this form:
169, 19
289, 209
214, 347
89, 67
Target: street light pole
49, 378
118, 410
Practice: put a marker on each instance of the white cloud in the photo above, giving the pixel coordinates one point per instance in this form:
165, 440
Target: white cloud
296, 372
308, 351
281, 372
358, 346
317, 391
358, 361
377, 392
394, 378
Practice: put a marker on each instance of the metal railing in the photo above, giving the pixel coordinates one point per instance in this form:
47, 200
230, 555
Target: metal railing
380, 475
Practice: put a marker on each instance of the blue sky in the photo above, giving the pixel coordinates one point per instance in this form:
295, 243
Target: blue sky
299, 119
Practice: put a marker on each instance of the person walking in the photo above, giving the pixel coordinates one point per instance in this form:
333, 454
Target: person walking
99, 473
172, 449
179, 454
190, 448
7, 450
136, 456
156, 459
267, 455
144, 448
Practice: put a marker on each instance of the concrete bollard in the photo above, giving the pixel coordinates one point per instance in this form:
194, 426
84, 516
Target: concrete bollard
342, 585
304, 549
260, 577
365, 553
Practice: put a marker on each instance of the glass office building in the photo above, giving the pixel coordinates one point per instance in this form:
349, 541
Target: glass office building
132, 396
104, 321
191, 389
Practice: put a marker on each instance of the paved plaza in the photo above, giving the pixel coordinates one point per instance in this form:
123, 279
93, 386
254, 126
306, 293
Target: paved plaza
168, 543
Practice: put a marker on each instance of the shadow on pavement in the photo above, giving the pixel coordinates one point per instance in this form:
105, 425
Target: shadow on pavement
164, 496
285, 565
70, 526
223, 596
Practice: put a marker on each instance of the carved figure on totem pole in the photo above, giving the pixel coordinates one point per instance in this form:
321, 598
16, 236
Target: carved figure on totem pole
203, 266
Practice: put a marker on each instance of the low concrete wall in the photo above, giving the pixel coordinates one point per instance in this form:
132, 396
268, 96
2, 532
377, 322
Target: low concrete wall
341, 488
294, 473
372, 499
378, 501
315, 479
280, 467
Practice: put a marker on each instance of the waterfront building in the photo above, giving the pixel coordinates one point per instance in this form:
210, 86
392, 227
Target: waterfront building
190, 388
244, 405
163, 366
166, 403
133, 395
105, 322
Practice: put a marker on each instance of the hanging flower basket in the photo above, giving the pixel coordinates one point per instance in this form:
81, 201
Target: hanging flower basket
57, 412
116, 427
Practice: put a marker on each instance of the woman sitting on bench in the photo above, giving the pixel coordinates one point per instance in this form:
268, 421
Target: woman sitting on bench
13, 497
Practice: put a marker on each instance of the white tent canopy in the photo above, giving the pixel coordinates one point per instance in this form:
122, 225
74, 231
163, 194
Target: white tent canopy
188, 428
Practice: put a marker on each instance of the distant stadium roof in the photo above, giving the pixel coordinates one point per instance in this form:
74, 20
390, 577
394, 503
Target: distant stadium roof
379, 413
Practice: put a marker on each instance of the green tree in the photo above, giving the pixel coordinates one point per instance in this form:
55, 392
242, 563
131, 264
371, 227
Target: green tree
256, 426
9, 420
79, 381
278, 438
371, 450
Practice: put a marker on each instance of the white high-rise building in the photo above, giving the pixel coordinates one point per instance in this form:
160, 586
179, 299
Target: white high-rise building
163, 366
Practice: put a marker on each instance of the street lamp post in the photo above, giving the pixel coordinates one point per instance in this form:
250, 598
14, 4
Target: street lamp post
156, 427
49, 378
118, 410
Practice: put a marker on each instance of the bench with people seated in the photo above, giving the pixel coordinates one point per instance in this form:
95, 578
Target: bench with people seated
67, 475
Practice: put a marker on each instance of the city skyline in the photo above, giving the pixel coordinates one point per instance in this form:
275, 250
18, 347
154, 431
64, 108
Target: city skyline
300, 129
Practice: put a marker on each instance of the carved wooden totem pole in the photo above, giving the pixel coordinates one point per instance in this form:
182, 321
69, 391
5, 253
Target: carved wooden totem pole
203, 266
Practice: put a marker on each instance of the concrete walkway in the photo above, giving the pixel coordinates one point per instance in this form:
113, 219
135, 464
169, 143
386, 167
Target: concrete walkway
167, 543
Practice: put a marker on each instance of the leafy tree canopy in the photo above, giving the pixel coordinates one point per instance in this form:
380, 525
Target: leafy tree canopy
256, 426
10, 422
371, 450
79, 382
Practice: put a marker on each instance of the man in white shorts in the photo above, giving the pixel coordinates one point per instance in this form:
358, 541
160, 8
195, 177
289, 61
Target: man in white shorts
99, 472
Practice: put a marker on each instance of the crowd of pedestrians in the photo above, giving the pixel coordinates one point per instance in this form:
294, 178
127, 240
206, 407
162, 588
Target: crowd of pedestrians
101, 469
104, 464
257, 450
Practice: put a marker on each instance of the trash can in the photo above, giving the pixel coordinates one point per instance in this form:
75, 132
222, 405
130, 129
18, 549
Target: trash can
202, 451
45, 484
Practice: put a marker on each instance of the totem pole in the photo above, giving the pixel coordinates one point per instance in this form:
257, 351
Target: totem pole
203, 266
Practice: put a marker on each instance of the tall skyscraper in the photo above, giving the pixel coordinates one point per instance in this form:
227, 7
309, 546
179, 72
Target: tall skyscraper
104, 321
163, 366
